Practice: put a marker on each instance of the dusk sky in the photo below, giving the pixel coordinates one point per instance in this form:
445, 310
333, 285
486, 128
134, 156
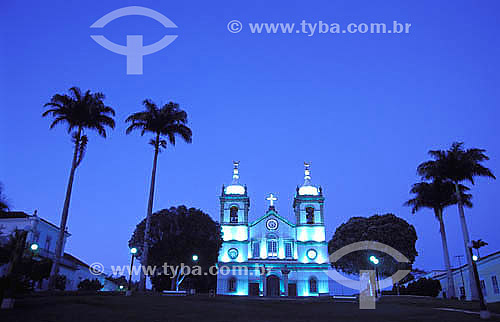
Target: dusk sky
364, 109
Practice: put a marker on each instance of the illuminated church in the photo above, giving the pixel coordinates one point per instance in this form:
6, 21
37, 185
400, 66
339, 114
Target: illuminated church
272, 256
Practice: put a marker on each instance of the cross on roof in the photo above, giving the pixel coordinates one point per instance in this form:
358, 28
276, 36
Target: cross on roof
271, 199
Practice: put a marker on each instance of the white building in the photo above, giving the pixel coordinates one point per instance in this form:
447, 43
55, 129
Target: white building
45, 234
488, 268
272, 256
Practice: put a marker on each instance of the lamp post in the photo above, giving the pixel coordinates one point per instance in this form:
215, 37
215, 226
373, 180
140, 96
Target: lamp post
483, 313
375, 261
133, 251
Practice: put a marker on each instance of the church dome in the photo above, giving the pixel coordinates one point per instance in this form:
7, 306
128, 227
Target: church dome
235, 188
308, 189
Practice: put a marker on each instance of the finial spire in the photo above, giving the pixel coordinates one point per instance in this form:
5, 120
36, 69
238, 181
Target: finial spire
236, 172
307, 172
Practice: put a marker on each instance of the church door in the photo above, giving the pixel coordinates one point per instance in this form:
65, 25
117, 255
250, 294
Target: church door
253, 289
273, 285
292, 289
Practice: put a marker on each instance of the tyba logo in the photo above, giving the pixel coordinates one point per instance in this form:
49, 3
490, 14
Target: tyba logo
134, 50
367, 284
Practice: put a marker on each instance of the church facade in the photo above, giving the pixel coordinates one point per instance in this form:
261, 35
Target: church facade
272, 256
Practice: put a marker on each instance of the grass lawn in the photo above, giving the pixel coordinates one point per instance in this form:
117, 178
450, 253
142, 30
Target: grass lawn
202, 308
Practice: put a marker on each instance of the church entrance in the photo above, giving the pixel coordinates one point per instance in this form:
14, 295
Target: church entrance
253, 289
272, 285
292, 289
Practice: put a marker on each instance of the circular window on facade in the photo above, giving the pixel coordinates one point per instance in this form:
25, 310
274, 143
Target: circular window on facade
311, 253
232, 253
272, 224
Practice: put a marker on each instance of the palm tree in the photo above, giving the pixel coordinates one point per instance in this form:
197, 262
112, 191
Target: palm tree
476, 244
80, 111
168, 121
457, 165
438, 195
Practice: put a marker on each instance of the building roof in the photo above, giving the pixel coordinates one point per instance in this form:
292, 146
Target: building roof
13, 214
22, 214
271, 212
482, 259
75, 260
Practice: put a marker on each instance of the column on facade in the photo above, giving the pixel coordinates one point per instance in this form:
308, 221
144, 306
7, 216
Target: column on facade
285, 271
263, 273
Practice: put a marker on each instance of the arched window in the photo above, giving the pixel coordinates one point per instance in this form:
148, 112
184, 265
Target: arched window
233, 214
232, 285
310, 215
313, 285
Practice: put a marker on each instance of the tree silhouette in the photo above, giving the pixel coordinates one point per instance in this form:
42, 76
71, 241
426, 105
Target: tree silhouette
438, 195
80, 112
168, 121
457, 165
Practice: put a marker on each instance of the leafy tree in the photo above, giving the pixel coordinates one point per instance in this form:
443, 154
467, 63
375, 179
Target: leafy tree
90, 285
120, 280
23, 271
4, 206
168, 121
176, 235
457, 165
422, 287
387, 229
476, 244
438, 195
80, 112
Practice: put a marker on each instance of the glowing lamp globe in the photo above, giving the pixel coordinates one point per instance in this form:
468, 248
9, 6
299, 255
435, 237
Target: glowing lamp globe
374, 260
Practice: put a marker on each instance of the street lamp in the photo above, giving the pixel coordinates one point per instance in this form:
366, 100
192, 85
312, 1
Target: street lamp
375, 261
474, 258
133, 251
34, 247
195, 258
483, 313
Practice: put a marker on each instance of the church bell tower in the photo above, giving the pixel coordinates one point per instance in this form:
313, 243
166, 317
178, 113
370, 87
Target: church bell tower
234, 206
308, 208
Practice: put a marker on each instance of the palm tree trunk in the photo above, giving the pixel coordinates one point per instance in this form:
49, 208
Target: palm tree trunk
446, 254
468, 253
64, 216
144, 257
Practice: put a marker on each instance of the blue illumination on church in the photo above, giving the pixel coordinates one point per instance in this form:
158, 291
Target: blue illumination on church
272, 256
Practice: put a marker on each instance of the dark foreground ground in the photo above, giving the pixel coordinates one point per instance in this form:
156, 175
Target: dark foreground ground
202, 308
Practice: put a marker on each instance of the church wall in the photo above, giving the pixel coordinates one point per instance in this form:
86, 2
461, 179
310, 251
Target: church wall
302, 278
311, 232
234, 232
226, 274
242, 248
320, 248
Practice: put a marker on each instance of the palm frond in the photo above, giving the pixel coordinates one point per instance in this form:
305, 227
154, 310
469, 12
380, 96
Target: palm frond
168, 121
81, 149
